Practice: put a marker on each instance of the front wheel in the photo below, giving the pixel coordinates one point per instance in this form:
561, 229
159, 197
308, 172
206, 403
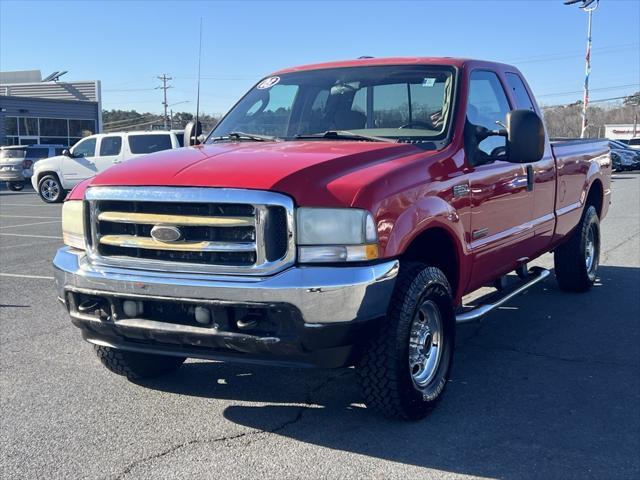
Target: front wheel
50, 189
135, 365
15, 186
576, 261
406, 366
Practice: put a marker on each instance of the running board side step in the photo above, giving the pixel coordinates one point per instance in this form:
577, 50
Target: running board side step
536, 274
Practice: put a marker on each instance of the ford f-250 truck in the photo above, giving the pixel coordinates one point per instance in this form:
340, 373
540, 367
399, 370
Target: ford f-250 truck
336, 216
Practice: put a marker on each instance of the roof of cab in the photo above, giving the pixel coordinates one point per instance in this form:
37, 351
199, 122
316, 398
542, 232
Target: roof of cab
370, 61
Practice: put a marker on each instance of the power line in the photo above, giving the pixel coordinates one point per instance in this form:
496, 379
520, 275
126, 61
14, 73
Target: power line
128, 120
601, 89
133, 125
129, 90
566, 55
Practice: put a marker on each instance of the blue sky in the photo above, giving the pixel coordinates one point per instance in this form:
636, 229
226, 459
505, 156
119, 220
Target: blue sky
127, 44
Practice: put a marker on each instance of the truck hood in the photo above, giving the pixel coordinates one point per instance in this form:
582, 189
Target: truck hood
314, 172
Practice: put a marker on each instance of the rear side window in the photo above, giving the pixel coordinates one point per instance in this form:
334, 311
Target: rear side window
149, 143
519, 92
180, 138
110, 146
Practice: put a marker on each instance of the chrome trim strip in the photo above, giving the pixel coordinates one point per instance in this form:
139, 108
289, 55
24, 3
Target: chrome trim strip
131, 241
260, 200
186, 220
538, 274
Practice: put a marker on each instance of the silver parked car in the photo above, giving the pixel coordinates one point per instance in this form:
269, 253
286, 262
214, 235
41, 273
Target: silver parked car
16, 162
624, 157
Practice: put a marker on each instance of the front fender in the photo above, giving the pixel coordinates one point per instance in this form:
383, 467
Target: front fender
428, 212
51, 164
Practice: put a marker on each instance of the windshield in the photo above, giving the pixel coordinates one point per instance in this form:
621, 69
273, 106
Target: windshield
13, 153
407, 103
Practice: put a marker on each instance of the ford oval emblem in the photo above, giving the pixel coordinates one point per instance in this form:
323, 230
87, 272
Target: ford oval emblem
166, 233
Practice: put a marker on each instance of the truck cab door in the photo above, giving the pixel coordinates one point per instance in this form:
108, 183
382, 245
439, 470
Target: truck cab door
501, 191
81, 164
110, 152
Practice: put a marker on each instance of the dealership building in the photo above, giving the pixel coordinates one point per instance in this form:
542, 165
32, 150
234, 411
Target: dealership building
47, 111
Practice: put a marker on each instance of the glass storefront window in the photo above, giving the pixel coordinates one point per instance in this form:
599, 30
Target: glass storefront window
81, 128
11, 126
28, 126
54, 141
61, 131
54, 127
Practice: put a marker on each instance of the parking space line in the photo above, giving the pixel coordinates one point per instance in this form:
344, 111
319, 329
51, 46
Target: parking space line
3, 204
17, 275
26, 245
24, 216
30, 236
29, 224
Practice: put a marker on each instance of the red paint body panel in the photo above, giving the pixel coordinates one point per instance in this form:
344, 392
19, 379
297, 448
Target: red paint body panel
408, 189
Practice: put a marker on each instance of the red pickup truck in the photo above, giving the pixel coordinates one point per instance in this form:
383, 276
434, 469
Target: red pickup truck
336, 216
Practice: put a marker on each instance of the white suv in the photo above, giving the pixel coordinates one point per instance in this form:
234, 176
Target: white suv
53, 177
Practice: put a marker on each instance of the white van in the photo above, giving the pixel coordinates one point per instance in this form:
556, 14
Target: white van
54, 176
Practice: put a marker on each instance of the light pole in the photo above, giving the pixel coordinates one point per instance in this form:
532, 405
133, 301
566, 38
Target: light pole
171, 111
588, 6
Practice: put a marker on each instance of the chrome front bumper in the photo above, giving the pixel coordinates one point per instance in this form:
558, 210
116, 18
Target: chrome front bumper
322, 295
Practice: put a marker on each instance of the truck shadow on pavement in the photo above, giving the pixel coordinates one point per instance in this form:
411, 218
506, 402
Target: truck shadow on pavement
547, 387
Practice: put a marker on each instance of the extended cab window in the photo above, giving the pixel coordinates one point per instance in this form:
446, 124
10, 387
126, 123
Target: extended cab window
149, 143
487, 105
110, 145
519, 91
85, 148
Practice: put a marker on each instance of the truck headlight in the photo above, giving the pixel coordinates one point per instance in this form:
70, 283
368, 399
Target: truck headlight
73, 223
336, 235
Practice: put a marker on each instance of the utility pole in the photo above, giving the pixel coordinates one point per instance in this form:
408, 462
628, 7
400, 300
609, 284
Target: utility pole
588, 6
165, 87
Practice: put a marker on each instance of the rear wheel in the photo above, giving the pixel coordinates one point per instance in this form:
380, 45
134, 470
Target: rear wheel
15, 186
135, 365
405, 368
50, 189
576, 261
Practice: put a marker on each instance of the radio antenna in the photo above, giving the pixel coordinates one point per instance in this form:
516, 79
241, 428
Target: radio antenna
198, 94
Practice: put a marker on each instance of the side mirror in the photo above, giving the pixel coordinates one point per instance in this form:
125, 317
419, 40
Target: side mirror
525, 136
192, 133
66, 152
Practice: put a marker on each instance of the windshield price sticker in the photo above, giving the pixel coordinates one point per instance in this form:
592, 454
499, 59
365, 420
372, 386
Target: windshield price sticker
428, 82
268, 82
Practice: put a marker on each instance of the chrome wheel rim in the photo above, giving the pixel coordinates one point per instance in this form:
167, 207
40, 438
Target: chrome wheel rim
425, 343
590, 250
50, 189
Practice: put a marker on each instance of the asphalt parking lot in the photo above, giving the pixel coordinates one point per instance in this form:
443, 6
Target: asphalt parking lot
546, 387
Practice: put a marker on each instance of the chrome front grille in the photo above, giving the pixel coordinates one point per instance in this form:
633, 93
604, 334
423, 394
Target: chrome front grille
225, 231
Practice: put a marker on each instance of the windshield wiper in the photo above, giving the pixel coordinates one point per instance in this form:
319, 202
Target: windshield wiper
345, 135
245, 136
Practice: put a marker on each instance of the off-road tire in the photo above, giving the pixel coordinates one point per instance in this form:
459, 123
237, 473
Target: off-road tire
383, 370
15, 186
135, 365
43, 184
571, 269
